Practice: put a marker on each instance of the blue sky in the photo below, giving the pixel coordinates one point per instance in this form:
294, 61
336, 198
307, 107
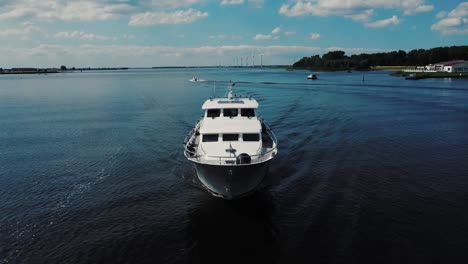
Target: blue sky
107, 33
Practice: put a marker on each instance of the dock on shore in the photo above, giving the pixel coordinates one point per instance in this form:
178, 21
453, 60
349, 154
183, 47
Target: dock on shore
427, 75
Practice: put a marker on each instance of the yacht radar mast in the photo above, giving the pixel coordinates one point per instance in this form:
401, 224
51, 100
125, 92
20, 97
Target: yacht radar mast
229, 90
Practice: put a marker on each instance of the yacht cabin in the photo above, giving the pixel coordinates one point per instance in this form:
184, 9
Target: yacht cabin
230, 127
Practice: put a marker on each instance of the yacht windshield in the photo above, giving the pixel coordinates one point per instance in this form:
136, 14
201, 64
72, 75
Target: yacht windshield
251, 137
230, 137
210, 138
230, 112
249, 112
213, 113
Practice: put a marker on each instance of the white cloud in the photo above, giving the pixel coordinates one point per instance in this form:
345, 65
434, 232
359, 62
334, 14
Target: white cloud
220, 36
159, 18
52, 10
453, 23
423, 8
265, 37
314, 36
272, 36
460, 11
357, 10
24, 31
363, 16
256, 3
394, 20
85, 10
232, 2
46, 55
83, 36
356, 50
169, 4
441, 14
131, 55
290, 33
276, 30
447, 23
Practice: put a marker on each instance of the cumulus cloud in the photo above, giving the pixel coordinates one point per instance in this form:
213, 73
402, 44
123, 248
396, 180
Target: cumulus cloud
423, 8
51, 10
272, 36
363, 16
314, 36
24, 31
169, 4
252, 3
82, 36
441, 14
86, 10
453, 23
232, 2
394, 20
159, 18
290, 33
265, 37
357, 10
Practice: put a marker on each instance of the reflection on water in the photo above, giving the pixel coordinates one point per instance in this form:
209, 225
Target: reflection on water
238, 231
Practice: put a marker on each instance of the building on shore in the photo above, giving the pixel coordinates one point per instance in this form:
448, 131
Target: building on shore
445, 66
449, 66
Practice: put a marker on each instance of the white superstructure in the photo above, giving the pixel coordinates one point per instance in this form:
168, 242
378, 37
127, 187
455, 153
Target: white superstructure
233, 139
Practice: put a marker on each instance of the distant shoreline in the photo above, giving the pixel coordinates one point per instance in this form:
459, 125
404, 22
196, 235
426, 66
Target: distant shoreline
15, 71
70, 70
396, 71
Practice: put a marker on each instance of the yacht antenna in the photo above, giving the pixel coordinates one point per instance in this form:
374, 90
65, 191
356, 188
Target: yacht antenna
229, 91
214, 88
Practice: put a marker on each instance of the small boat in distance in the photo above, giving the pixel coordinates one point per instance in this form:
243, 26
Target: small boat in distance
196, 79
230, 146
312, 76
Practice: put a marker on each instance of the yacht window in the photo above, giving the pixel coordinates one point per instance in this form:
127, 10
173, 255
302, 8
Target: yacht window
213, 113
210, 138
230, 112
251, 137
249, 112
230, 137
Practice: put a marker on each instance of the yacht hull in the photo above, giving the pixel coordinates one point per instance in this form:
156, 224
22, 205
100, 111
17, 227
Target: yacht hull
231, 182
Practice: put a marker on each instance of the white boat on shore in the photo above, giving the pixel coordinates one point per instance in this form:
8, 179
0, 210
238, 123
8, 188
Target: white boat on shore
230, 146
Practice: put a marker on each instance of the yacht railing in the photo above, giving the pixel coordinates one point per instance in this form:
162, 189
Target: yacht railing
193, 153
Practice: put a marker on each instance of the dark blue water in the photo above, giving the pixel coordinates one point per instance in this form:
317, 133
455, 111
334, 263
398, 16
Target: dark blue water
92, 170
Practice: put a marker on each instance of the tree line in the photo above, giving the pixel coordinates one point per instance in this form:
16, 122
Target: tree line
338, 60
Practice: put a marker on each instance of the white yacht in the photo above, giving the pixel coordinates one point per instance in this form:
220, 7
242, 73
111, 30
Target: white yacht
230, 147
312, 76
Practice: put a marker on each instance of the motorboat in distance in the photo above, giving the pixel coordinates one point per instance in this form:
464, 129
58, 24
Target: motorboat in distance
230, 146
196, 79
312, 76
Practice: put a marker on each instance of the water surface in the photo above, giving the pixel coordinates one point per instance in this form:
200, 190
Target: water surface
92, 170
